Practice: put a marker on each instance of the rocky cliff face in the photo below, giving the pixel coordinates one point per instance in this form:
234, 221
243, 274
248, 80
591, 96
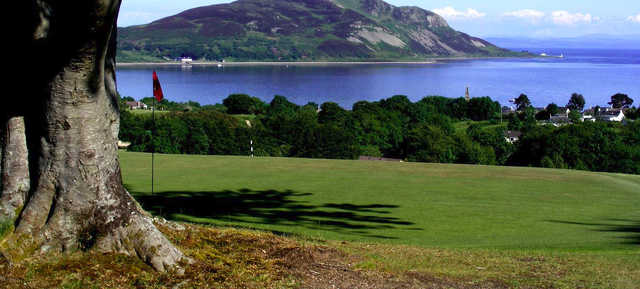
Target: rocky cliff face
301, 30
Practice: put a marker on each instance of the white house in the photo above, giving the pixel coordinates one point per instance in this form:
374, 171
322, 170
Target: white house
512, 136
507, 110
614, 115
134, 105
562, 116
587, 117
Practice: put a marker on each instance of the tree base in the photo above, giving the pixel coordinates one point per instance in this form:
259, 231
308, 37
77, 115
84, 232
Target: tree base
139, 237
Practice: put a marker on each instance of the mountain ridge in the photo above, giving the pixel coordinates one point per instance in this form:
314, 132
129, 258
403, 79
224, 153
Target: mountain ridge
301, 30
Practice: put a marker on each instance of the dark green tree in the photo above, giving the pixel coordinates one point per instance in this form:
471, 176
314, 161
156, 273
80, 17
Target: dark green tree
427, 143
515, 123
543, 115
576, 102
331, 112
620, 100
482, 108
528, 118
552, 109
280, 105
243, 104
575, 116
522, 102
399, 103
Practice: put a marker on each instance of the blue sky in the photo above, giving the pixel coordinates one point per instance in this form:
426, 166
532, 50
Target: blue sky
539, 18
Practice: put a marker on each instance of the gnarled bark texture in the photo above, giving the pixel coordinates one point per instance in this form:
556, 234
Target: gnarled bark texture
62, 184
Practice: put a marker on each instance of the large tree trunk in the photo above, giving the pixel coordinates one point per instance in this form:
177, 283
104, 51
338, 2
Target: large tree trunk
77, 200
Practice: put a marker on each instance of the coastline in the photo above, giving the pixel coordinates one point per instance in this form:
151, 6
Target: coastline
272, 63
310, 63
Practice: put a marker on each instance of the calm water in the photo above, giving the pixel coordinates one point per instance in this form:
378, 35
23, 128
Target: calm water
597, 74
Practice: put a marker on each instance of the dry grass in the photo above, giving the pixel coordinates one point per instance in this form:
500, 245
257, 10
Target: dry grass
232, 258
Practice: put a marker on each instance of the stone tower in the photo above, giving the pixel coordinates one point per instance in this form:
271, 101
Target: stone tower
467, 96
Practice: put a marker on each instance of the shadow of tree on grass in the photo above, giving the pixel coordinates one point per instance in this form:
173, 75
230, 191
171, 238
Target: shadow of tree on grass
631, 227
274, 208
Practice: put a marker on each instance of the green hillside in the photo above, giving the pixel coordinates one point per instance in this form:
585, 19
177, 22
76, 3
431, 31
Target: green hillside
427, 205
300, 30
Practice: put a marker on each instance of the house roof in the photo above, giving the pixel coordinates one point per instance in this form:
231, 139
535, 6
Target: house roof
611, 112
135, 103
513, 134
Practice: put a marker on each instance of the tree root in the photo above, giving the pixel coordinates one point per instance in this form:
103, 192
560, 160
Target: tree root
138, 237
141, 237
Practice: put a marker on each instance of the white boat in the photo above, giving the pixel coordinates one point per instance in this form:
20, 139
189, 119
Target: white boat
186, 61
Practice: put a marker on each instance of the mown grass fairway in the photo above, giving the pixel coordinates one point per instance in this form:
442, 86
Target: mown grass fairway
427, 205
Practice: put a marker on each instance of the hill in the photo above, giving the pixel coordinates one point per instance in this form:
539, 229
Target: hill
300, 30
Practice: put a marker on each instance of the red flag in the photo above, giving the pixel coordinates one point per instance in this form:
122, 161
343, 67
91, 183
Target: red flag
157, 89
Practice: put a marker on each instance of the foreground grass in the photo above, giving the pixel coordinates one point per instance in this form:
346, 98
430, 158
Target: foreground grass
428, 205
238, 258
350, 224
510, 227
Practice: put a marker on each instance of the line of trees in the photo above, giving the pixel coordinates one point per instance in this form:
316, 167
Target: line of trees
422, 131
393, 127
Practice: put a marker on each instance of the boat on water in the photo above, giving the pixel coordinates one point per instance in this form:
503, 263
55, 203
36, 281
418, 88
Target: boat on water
186, 61
547, 55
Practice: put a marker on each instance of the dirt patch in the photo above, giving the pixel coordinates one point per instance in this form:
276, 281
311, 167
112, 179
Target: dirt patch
320, 267
223, 258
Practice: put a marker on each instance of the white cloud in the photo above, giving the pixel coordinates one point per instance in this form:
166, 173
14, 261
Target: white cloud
567, 18
527, 14
635, 18
451, 13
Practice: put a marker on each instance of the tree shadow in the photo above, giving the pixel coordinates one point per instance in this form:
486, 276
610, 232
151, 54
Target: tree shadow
273, 207
630, 227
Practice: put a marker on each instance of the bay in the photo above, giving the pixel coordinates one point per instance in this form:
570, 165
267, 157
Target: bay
595, 73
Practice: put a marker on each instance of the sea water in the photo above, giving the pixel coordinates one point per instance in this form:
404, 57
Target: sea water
595, 73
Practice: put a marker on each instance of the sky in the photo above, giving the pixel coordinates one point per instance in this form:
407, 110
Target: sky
489, 18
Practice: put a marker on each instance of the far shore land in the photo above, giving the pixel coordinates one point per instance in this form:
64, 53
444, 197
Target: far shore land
304, 63
271, 63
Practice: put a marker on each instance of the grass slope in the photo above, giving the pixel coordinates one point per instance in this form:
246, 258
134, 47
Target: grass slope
426, 205
478, 224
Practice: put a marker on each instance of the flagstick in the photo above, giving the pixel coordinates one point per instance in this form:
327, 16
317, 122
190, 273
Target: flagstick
157, 96
153, 145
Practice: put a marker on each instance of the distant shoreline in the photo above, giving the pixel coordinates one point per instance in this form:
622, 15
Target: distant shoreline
306, 63
269, 63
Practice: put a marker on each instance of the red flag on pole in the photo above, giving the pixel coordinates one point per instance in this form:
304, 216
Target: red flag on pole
157, 89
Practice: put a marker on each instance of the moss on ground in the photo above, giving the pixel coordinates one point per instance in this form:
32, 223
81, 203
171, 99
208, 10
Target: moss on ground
5, 229
232, 258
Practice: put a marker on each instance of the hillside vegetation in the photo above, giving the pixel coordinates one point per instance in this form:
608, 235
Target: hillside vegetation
434, 129
300, 30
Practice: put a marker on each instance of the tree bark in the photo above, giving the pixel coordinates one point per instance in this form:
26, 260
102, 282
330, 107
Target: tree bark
77, 200
15, 169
